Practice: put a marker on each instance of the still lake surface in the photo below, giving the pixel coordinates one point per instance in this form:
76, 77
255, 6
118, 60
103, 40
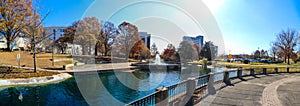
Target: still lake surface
105, 89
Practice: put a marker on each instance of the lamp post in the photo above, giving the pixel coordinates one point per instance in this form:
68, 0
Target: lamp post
54, 33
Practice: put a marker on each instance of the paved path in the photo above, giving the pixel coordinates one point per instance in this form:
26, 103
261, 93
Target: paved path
102, 67
270, 96
270, 90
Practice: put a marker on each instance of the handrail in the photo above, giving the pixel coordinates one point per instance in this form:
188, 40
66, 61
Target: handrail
202, 76
227, 71
131, 103
184, 81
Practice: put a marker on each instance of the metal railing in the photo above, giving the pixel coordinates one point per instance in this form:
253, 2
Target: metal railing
173, 94
148, 100
176, 90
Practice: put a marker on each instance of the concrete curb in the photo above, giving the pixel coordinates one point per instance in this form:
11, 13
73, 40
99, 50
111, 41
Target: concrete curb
36, 80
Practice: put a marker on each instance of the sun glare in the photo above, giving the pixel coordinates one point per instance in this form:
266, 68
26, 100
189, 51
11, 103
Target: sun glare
213, 5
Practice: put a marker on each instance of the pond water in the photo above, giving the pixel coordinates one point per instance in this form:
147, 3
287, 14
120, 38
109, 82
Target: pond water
121, 86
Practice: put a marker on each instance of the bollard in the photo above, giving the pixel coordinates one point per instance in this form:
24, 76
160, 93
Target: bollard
252, 72
288, 69
226, 79
276, 70
240, 73
265, 71
161, 98
190, 89
210, 84
75, 64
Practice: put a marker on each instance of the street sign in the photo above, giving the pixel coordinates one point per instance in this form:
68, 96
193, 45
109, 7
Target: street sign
229, 56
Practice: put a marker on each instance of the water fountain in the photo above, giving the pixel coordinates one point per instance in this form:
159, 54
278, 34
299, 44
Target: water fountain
157, 65
157, 59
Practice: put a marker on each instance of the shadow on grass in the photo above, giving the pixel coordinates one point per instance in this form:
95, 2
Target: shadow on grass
54, 68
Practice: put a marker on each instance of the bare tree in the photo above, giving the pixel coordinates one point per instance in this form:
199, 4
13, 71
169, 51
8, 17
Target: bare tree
274, 51
153, 49
34, 30
128, 37
187, 52
107, 36
286, 41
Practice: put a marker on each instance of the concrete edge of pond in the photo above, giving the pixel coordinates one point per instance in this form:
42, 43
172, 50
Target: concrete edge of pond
35, 80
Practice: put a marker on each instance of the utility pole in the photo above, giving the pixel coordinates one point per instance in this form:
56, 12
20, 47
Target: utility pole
54, 33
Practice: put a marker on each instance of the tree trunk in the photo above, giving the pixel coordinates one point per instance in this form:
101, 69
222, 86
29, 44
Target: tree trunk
288, 59
205, 66
83, 50
284, 59
8, 45
105, 53
96, 49
34, 55
127, 52
140, 58
105, 50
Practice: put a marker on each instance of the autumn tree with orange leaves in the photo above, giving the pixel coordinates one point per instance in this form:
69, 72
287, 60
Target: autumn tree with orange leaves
86, 33
140, 50
17, 16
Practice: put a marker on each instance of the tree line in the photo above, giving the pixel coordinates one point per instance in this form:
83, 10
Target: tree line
186, 52
19, 18
102, 37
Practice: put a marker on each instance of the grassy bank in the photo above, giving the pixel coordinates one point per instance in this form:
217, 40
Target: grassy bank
43, 60
14, 73
256, 65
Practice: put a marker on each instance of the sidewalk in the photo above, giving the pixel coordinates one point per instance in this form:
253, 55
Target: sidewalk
270, 90
124, 67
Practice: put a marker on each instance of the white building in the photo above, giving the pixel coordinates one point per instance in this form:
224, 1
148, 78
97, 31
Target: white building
22, 43
59, 31
49, 31
74, 49
3, 44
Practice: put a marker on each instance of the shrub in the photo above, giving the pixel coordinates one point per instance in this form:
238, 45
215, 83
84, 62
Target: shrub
204, 60
209, 63
246, 61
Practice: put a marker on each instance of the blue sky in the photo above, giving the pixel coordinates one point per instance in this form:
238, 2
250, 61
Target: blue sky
246, 25
62, 12
249, 24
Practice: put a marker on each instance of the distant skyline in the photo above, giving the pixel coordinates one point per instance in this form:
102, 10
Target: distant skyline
246, 25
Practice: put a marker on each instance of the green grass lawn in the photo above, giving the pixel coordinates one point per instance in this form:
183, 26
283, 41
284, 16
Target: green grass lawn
258, 65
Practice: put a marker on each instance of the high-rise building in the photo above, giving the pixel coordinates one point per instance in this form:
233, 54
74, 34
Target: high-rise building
146, 38
198, 40
216, 50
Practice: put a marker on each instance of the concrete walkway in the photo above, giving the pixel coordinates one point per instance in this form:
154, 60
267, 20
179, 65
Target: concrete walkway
262, 90
123, 67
